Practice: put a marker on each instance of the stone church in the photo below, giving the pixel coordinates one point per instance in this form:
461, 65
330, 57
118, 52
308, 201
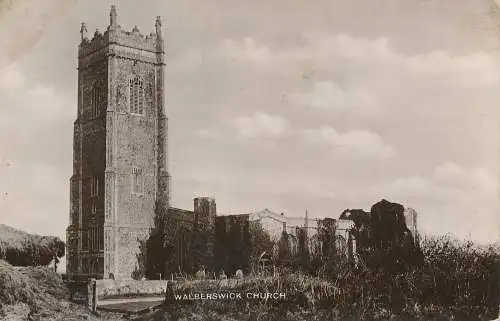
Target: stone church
120, 169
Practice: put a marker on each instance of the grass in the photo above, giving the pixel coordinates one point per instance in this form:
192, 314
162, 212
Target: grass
457, 281
38, 293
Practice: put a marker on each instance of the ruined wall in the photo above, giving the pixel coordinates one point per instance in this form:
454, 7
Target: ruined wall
232, 243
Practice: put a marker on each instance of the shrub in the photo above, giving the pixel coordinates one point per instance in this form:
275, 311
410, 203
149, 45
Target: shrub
22, 249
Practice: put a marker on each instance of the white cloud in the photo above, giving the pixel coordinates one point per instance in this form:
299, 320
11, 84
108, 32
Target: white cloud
374, 75
260, 125
11, 79
327, 95
353, 143
34, 107
246, 50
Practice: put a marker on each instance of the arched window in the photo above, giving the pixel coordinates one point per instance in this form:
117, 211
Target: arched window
137, 181
136, 88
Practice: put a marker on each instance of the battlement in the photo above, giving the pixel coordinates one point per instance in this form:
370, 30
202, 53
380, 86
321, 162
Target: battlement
115, 34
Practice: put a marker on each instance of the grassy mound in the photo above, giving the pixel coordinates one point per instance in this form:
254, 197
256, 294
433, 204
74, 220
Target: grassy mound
22, 249
38, 293
40, 288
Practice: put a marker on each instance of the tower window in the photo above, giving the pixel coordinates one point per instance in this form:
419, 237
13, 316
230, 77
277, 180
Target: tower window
101, 238
137, 181
95, 102
85, 240
136, 88
91, 238
94, 186
93, 206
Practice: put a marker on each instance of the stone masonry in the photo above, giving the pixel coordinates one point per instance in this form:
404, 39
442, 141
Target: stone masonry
120, 166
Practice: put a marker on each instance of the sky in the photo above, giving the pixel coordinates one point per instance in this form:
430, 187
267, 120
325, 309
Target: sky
289, 105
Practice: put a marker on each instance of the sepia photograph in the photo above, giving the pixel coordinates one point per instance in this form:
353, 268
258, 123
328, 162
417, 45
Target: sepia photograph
238, 160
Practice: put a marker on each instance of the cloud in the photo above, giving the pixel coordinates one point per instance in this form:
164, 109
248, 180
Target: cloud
189, 60
29, 108
362, 75
24, 23
33, 198
259, 125
353, 143
11, 79
245, 50
327, 95
35, 135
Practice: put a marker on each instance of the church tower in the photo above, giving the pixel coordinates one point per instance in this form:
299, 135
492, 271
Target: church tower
120, 157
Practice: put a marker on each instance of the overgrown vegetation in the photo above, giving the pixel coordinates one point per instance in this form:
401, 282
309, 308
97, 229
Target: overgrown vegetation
457, 281
392, 276
22, 249
38, 293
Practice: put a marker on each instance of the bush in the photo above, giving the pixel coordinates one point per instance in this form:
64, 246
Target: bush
22, 249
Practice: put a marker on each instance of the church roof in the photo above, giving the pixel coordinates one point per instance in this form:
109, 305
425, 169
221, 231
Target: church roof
266, 213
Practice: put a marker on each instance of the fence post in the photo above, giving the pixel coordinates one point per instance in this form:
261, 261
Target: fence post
92, 295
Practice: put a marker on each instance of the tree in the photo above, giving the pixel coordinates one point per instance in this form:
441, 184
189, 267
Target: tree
157, 252
303, 257
284, 251
260, 243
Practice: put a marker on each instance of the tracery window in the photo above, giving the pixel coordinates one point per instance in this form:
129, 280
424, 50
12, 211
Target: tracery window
136, 87
95, 102
137, 181
94, 186
93, 206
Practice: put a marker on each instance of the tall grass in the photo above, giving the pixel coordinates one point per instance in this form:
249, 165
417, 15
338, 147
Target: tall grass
38, 287
457, 281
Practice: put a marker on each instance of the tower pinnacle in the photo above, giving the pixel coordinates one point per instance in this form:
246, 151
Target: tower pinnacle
112, 17
158, 26
83, 31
